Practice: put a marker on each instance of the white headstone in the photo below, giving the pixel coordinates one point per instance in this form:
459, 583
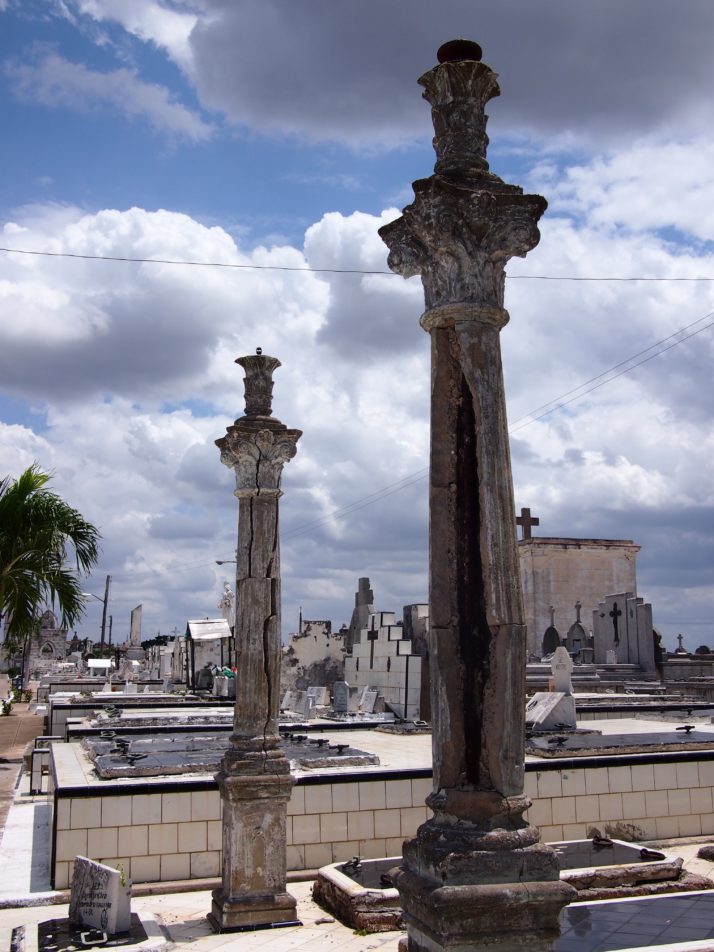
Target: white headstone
562, 668
321, 695
130, 688
368, 700
100, 897
611, 657
289, 701
550, 710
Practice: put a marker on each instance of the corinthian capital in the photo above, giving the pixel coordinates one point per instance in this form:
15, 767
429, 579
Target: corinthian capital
257, 457
465, 223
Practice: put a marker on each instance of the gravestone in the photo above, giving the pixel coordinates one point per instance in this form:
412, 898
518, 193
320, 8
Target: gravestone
562, 668
320, 695
551, 637
340, 697
305, 705
289, 701
368, 700
100, 897
576, 640
550, 710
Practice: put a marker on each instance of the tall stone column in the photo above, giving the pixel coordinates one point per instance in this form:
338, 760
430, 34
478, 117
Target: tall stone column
476, 875
254, 778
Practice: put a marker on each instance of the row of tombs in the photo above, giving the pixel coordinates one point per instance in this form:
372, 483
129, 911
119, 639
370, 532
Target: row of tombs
130, 777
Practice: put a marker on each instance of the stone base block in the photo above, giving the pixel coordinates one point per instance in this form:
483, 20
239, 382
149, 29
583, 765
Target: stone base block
252, 911
504, 917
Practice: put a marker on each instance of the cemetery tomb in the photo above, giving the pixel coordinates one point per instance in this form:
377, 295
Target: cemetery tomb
168, 826
181, 753
382, 661
360, 892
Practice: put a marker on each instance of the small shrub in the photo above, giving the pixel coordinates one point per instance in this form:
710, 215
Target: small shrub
5, 708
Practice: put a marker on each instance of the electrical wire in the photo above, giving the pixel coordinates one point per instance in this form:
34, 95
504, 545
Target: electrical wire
280, 267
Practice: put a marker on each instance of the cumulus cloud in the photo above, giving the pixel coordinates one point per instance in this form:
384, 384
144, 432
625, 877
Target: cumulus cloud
137, 380
53, 80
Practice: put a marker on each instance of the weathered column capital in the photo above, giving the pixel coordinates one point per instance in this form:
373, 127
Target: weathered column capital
257, 458
465, 223
257, 446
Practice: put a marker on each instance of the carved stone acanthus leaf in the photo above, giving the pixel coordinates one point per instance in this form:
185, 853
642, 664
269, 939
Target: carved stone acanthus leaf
459, 237
258, 457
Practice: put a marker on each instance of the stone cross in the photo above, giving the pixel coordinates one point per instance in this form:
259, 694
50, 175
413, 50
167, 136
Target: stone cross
254, 778
578, 608
680, 642
476, 872
615, 614
525, 521
372, 636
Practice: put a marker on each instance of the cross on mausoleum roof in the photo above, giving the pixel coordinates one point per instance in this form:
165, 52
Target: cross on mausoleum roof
525, 520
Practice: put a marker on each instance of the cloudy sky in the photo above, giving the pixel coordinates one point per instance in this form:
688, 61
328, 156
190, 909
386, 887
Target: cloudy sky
280, 134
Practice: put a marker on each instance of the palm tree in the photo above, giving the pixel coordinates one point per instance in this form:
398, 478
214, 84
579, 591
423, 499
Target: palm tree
40, 537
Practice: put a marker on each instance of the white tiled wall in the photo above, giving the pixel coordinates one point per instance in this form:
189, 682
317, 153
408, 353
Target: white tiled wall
177, 835
635, 801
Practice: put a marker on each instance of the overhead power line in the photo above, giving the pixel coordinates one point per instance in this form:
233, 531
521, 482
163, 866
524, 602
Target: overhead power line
560, 402
285, 267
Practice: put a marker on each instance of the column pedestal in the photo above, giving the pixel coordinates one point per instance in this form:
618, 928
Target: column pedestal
252, 894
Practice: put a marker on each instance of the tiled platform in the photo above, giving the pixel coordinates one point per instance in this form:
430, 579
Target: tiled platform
671, 923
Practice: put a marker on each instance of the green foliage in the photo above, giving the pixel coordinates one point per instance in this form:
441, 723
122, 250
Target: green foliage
45, 547
5, 708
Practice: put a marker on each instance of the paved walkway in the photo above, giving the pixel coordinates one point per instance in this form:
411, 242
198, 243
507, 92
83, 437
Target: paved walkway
16, 731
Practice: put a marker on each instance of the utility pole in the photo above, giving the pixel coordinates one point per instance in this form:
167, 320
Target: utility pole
111, 619
104, 610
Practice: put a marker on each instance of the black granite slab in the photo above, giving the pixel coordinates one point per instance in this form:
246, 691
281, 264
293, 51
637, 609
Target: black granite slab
166, 754
653, 922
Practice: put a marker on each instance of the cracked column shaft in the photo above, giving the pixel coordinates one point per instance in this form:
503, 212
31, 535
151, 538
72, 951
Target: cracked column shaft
476, 875
254, 778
